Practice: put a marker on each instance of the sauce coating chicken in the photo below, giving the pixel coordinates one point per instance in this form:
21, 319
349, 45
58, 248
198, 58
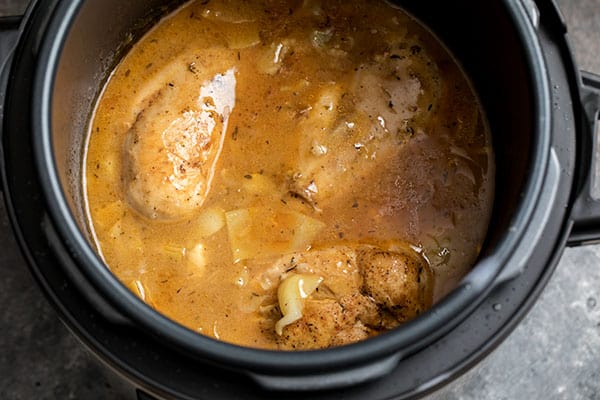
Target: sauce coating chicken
171, 150
352, 132
289, 174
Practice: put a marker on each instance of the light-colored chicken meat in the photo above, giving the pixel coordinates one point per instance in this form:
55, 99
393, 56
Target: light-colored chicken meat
173, 145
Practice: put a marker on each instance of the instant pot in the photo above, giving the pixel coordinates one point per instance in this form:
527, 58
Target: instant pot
543, 113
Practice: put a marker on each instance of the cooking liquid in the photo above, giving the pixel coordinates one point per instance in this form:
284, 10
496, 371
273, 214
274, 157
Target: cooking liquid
347, 123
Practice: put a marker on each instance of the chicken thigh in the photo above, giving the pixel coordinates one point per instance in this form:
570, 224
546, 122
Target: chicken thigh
362, 291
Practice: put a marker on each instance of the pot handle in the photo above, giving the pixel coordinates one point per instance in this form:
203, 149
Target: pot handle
585, 214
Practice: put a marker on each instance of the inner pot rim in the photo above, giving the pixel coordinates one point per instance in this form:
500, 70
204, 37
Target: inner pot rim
427, 327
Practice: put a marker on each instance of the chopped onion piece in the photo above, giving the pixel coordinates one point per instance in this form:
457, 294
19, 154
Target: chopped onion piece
137, 287
263, 232
291, 294
226, 11
174, 251
271, 61
242, 35
107, 215
140, 290
210, 221
197, 257
259, 184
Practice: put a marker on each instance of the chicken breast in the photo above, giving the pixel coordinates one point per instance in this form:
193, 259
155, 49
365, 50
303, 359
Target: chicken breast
347, 137
172, 147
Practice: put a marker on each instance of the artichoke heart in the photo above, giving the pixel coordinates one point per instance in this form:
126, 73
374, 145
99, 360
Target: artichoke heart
291, 294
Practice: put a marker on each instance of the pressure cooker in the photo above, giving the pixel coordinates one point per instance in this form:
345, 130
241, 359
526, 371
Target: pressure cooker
542, 111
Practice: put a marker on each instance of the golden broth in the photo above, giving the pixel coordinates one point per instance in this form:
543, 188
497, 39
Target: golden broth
241, 143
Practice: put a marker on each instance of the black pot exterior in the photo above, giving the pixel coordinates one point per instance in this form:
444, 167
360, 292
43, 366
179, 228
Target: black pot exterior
52, 86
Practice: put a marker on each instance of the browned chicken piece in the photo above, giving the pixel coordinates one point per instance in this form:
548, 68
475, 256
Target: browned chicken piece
377, 291
362, 309
328, 322
400, 281
350, 335
325, 323
321, 320
172, 147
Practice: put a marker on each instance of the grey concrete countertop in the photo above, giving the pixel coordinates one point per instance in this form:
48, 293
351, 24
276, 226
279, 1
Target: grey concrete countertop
553, 354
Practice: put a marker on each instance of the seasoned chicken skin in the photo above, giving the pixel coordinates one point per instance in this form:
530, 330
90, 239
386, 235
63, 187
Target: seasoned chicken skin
364, 290
172, 147
324, 323
398, 281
